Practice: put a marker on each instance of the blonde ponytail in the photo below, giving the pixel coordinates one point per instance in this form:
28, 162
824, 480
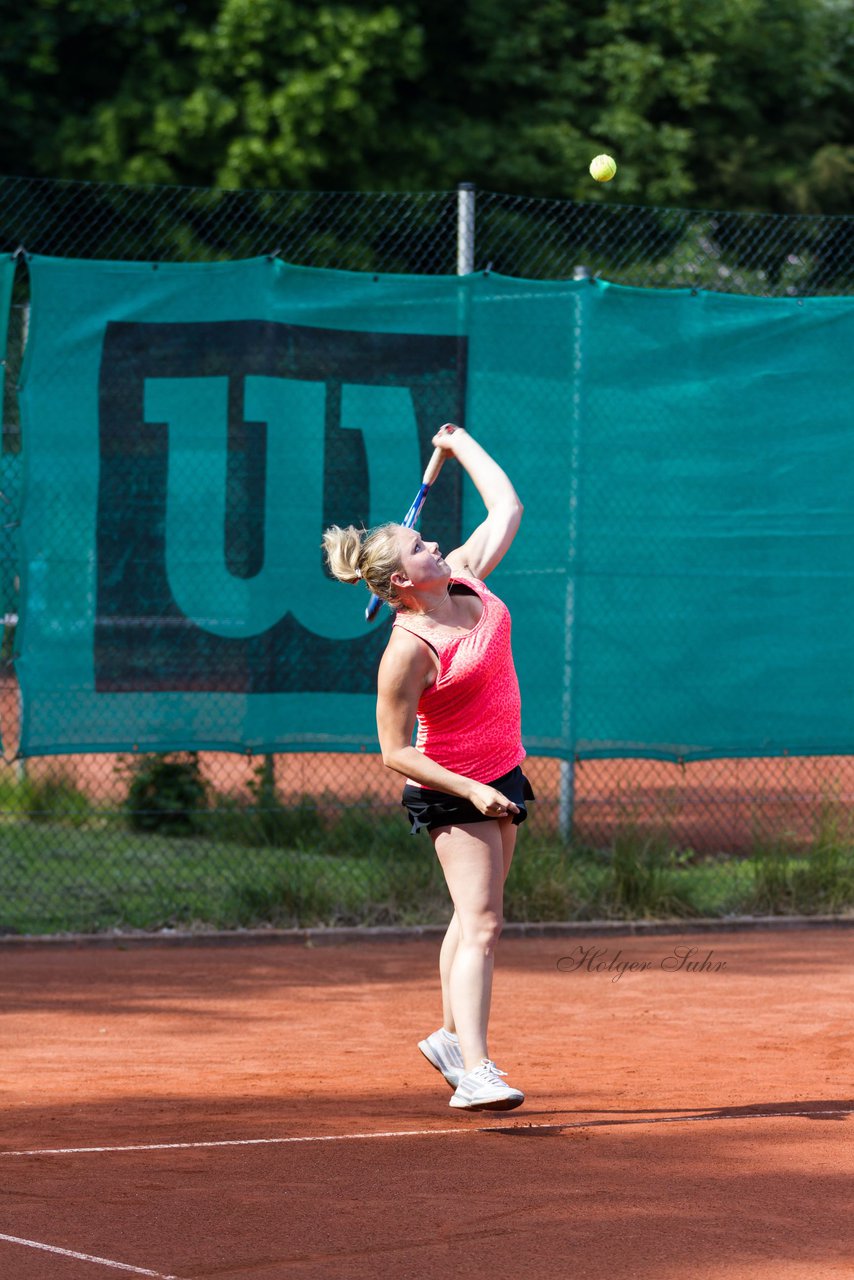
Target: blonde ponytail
368, 555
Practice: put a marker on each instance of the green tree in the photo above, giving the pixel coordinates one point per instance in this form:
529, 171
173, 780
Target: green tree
723, 103
734, 104
77, 78
224, 92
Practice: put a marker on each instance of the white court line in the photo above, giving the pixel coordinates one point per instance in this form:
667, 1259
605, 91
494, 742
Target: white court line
86, 1257
242, 1142
351, 1137
428, 1133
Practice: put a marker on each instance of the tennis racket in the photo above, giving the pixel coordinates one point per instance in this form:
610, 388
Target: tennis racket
434, 466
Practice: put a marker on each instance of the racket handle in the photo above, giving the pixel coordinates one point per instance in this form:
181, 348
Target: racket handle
434, 466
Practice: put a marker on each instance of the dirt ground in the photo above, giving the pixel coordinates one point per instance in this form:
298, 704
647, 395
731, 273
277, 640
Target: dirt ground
262, 1111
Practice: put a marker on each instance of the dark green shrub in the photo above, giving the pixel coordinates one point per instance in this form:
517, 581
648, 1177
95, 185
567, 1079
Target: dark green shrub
166, 793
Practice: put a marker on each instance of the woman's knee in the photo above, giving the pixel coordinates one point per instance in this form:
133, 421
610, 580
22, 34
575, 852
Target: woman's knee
482, 930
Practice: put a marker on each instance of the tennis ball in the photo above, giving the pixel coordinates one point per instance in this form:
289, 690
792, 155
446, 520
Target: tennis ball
602, 168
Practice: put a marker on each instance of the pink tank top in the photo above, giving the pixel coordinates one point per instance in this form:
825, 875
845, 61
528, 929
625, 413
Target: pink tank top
469, 720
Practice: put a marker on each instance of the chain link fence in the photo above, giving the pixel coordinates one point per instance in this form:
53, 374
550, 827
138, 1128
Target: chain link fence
95, 842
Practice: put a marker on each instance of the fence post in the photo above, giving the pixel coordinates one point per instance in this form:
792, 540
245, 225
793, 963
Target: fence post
465, 228
20, 761
566, 798
566, 789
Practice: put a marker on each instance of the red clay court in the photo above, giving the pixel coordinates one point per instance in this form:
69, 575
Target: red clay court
260, 1110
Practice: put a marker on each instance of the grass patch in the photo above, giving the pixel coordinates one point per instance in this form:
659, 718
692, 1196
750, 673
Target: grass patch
791, 877
315, 889
65, 869
642, 876
104, 877
263, 825
44, 800
646, 877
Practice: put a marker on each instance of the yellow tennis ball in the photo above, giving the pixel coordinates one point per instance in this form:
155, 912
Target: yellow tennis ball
602, 168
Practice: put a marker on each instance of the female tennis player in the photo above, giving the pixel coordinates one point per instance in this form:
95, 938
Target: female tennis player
448, 665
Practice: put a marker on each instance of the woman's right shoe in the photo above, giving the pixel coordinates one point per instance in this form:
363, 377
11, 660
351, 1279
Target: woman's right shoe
484, 1090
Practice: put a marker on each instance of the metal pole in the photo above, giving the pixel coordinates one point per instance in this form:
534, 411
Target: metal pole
20, 762
566, 792
465, 228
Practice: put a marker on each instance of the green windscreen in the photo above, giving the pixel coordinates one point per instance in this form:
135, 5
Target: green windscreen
7, 276
678, 587
715, 527
9, 461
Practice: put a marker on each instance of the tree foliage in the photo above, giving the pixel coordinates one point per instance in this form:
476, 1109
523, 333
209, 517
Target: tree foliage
739, 104
734, 104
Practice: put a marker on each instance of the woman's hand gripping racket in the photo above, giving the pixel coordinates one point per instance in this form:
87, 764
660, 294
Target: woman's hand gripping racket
434, 466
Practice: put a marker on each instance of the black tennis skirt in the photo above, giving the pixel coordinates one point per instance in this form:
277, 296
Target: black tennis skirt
432, 809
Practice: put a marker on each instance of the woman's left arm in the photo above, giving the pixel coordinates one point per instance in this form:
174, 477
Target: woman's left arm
491, 540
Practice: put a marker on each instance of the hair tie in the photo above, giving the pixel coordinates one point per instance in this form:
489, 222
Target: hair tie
359, 573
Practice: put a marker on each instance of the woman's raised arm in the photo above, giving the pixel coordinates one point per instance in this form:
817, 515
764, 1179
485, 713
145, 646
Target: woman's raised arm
490, 541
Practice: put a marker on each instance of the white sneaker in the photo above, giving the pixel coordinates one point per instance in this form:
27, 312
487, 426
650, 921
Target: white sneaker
484, 1090
444, 1054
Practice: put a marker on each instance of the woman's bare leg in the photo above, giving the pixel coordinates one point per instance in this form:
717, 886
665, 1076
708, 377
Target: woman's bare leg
446, 961
475, 860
